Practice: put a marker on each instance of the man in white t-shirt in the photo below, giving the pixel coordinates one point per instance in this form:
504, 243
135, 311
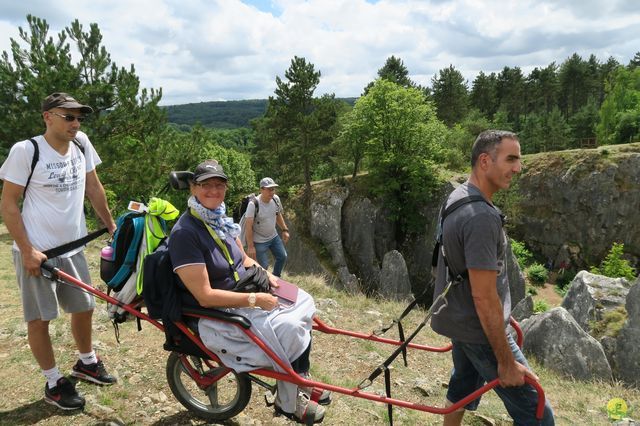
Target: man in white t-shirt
260, 232
53, 214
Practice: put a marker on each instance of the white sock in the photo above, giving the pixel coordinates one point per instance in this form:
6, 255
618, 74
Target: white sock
89, 358
52, 375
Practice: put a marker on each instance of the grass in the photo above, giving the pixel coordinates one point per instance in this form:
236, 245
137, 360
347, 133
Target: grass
142, 395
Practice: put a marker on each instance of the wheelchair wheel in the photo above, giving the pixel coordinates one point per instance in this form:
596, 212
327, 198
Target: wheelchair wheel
219, 400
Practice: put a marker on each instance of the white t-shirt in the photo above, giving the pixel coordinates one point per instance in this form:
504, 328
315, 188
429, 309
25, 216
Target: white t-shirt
264, 226
53, 208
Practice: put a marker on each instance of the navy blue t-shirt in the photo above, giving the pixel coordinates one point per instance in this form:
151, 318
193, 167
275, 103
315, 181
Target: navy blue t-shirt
191, 244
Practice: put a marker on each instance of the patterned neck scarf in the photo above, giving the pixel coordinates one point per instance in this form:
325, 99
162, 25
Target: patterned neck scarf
216, 219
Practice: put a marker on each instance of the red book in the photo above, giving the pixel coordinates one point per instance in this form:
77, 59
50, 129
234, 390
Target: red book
286, 292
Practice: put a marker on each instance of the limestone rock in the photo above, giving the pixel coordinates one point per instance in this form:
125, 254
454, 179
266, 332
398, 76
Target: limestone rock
628, 341
556, 340
394, 277
590, 296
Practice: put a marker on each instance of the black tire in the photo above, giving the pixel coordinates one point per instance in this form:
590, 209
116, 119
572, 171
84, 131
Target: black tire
222, 400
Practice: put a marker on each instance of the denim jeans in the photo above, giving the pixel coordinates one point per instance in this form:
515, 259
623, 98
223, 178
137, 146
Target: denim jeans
475, 364
276, 246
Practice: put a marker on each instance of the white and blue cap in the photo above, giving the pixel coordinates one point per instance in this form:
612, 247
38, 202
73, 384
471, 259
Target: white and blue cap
268, 183
208, 169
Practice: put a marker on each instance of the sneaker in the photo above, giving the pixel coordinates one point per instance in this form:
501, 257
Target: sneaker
307, 411
95, 373
63, 395
322, 396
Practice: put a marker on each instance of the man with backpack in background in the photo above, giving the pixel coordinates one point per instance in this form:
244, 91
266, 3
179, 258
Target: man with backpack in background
52, 173
476, 313
260, 230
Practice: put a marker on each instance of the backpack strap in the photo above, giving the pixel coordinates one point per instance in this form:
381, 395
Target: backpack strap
57, 251
34, 161
444, 212
256, 203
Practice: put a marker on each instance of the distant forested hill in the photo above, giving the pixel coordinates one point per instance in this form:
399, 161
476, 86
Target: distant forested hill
218, 114
221, 114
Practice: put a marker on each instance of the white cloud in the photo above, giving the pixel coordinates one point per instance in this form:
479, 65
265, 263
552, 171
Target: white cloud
199, 50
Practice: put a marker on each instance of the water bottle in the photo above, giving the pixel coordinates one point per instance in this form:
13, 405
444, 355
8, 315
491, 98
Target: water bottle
107, 253
107, 265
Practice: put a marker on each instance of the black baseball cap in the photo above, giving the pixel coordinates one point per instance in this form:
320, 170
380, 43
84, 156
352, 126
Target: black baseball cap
64, 100
208, 169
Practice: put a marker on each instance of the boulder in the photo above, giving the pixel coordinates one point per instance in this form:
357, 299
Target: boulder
394, 278
628, 341
590, 296
359, 225
556, 340
523, 310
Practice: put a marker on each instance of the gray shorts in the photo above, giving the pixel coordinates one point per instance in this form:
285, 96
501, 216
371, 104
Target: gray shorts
41, 296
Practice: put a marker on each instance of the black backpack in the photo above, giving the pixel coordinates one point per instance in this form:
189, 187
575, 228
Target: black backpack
163, 291
244, 203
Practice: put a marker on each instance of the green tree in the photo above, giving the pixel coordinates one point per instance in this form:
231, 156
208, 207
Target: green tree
404, 141
484, 95
579, 80
615, 265
295, 133
395, 71
583, 123
620, 111
450, 95
511, 94
542, 89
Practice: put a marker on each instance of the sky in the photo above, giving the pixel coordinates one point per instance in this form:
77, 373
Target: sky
209, 50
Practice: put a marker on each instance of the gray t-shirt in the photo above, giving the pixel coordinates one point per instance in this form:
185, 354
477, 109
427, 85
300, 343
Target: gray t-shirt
264, 226
473, 238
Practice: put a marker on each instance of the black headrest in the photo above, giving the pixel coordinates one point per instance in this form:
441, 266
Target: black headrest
180, 179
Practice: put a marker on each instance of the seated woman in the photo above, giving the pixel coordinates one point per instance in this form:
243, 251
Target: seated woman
208, 257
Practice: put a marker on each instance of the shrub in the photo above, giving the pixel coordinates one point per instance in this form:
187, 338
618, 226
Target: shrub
537, 274
531, 291
614, 265
610, 324
540, 306
523, 255
563, 280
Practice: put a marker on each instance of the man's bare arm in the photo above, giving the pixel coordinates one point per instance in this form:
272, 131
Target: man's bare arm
11, 215
490, 313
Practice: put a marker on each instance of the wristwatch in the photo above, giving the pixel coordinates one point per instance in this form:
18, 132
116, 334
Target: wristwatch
252, 300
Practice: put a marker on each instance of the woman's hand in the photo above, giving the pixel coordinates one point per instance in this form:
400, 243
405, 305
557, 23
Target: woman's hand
266, 301
273, 280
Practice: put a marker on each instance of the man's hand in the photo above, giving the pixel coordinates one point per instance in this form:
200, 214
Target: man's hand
513, 374
251, 252
31, 260
285, 236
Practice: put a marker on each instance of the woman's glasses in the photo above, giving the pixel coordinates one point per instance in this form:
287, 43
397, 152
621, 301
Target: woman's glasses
70, 117
207, 186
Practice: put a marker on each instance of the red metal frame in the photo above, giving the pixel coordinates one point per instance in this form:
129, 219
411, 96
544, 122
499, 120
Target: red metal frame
290, 375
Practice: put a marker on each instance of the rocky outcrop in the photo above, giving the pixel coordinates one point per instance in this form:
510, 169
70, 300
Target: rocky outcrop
591, 199
627, 355
359, 226
394, 277
556, 340
590, 296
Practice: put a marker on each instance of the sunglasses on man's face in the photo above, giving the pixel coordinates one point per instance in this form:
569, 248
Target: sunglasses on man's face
70, 117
